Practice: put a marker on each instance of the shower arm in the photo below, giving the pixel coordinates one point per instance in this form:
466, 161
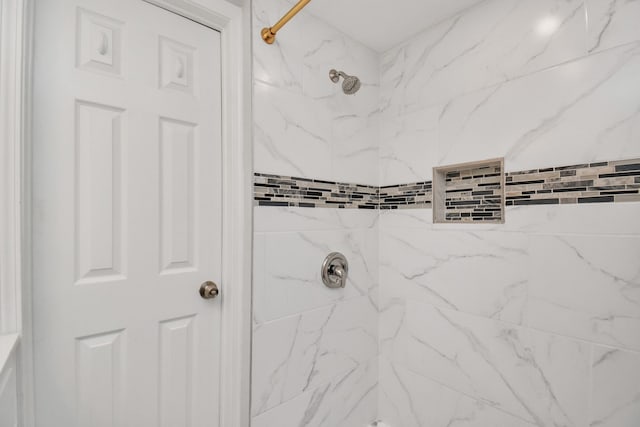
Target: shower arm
269, 34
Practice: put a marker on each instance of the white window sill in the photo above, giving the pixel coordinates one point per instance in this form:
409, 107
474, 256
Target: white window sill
7, 345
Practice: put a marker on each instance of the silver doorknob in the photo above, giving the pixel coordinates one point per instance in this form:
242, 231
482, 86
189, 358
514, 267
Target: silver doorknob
209, 290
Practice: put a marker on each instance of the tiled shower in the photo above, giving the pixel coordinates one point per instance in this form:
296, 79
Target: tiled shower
520, 304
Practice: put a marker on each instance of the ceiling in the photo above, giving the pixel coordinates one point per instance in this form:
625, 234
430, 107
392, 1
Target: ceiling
382, 24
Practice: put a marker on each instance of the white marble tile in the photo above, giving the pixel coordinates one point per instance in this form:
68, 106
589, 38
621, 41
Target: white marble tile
510, 38
539, 378
393, 334
278, 64
615, 388
621, 219
406, 218
355, 150
408, 399
612, 23
350, 400
409, 147
305, 51
586, 110
328, 48
392, 75
299, 353
355, 133
483, 273
586, 287
292, 282
274, 219
550, 219
292, 133
258, 274
304, 124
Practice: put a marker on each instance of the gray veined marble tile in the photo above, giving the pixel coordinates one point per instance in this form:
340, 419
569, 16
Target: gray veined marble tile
615, 388
288, 219
408, 147
479, 272
391, 81
300, 353
276, 64
539, 378
510, 38
586, 287
348, 400
393, 332
575, 219
299, 128
527, 118
292, 133
406, 218
292, 282
258, 271
408, 399
612, 23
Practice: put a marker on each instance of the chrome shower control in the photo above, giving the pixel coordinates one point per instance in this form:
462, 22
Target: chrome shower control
335, 270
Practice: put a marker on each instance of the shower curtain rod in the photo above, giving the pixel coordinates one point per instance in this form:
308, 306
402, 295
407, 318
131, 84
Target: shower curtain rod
269, 34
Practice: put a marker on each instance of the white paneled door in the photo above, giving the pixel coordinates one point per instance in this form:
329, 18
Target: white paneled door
126, 216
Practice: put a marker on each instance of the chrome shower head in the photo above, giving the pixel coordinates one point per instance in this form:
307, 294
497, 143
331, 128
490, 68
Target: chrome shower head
350, 85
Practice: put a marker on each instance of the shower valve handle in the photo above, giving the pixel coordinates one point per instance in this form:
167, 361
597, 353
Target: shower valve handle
335, 270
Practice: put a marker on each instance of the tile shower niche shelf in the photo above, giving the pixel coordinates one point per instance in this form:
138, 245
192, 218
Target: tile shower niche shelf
469, 192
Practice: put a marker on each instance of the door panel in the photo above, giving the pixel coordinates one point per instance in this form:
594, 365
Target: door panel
127, 215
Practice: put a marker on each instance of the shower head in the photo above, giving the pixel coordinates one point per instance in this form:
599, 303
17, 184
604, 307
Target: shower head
350, 85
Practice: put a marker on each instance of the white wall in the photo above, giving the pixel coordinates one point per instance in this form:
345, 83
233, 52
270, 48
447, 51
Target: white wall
537, 321
315, 349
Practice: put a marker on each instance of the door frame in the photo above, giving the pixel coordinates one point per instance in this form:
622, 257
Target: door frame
16, 39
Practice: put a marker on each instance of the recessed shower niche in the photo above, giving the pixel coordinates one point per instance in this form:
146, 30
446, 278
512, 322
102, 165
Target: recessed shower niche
469, 192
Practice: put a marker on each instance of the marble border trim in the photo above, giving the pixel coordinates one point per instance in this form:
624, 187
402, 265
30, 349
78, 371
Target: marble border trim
601, 182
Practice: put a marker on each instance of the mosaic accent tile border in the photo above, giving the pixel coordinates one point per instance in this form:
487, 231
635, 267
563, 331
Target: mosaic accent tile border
602, 182
474, 194
406, 196
276, 190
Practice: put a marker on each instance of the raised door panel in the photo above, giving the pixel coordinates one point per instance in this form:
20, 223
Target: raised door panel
98, 201
177, 204
98, 42
100, 381
176, 373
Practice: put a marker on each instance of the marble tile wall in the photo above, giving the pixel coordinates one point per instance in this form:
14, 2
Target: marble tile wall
303, 124
315, 349
535, 322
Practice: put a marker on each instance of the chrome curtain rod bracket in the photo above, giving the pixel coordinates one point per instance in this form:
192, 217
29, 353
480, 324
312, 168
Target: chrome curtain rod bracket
269, 34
